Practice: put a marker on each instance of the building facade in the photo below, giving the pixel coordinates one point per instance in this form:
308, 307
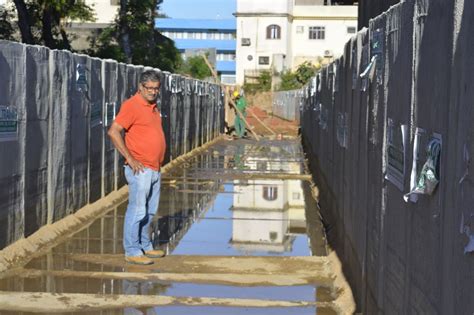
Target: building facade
280, 35
216, 37
105, 10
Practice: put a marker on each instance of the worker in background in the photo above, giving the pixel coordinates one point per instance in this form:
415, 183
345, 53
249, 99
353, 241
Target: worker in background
239, 124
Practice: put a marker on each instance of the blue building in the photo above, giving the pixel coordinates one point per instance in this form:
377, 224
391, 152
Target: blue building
213, 35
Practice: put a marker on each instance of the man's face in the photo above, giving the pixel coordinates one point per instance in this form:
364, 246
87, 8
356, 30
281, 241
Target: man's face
149, 91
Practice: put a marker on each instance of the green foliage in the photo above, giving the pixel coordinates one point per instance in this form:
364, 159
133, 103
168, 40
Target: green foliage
47, 20
6, 28
289, 81
264, 83
148, 46
195, 67
305, 72
295, 80
265, 80
67, 9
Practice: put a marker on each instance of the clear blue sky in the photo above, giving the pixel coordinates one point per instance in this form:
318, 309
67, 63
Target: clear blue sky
199, 9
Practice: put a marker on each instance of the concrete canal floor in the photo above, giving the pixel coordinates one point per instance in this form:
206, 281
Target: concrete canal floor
243, 236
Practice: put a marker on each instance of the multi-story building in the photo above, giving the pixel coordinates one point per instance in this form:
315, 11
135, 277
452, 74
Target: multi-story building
214, 36
279, 35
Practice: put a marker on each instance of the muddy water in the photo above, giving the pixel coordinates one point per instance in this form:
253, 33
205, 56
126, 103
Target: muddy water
204, 211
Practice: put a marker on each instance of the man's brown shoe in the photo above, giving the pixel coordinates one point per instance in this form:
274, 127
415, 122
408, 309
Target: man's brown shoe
138, 260
155, 253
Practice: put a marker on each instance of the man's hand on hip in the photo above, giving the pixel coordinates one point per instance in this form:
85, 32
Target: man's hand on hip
135, 165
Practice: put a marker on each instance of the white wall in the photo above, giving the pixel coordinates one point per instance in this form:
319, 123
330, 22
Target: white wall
264, 6
308, 49
335, 19
251, 196
104, 11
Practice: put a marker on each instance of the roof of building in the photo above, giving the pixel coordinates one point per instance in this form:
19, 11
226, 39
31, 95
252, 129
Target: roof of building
196, 24
219, 45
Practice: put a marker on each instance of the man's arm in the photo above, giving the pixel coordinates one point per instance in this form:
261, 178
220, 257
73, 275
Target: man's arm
115, 134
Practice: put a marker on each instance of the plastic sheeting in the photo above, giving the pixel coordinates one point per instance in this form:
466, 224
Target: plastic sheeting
287, 104
359, 133
56, 108
37, 137
12, 139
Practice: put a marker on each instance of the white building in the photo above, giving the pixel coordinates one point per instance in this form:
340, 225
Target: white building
281, 34
105, 10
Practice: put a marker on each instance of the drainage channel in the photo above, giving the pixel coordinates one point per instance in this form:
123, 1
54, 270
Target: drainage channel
242, 235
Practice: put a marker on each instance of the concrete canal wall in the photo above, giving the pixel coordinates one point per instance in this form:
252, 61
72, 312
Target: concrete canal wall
366, 128
55, 108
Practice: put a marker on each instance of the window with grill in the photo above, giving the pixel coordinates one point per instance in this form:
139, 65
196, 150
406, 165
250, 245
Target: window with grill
273, 32
270, 193
317, 32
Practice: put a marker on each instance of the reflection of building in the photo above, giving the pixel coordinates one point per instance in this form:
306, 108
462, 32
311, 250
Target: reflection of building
266, 213
281, 34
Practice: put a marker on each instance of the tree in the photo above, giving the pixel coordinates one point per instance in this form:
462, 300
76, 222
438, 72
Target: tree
24, 22
195, 67
6, 28
305, 72
44, 21
289, 81
295, 80
134, 39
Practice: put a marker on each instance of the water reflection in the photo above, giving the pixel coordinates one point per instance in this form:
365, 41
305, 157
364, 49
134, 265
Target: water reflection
199, 214
267, 215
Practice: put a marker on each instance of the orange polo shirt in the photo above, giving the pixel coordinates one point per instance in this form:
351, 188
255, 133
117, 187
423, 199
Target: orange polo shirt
144, 136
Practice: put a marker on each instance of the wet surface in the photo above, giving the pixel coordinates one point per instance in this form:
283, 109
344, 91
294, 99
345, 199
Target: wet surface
203, 211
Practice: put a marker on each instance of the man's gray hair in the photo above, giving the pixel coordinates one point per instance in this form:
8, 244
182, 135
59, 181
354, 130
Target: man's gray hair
149, 75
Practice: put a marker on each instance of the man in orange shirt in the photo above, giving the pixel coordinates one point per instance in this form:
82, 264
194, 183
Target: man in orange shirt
144, 150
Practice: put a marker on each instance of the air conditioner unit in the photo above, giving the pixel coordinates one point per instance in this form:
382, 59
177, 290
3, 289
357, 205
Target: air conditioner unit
327, 53
245, 41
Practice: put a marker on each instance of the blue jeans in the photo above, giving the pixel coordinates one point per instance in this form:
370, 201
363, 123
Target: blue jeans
143, 200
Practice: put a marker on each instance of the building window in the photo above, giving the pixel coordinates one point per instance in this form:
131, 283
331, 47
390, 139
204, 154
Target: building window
263, 60
317, 32
351, 30
300, 29
270, 193
114, 2
273, 32
296, 196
